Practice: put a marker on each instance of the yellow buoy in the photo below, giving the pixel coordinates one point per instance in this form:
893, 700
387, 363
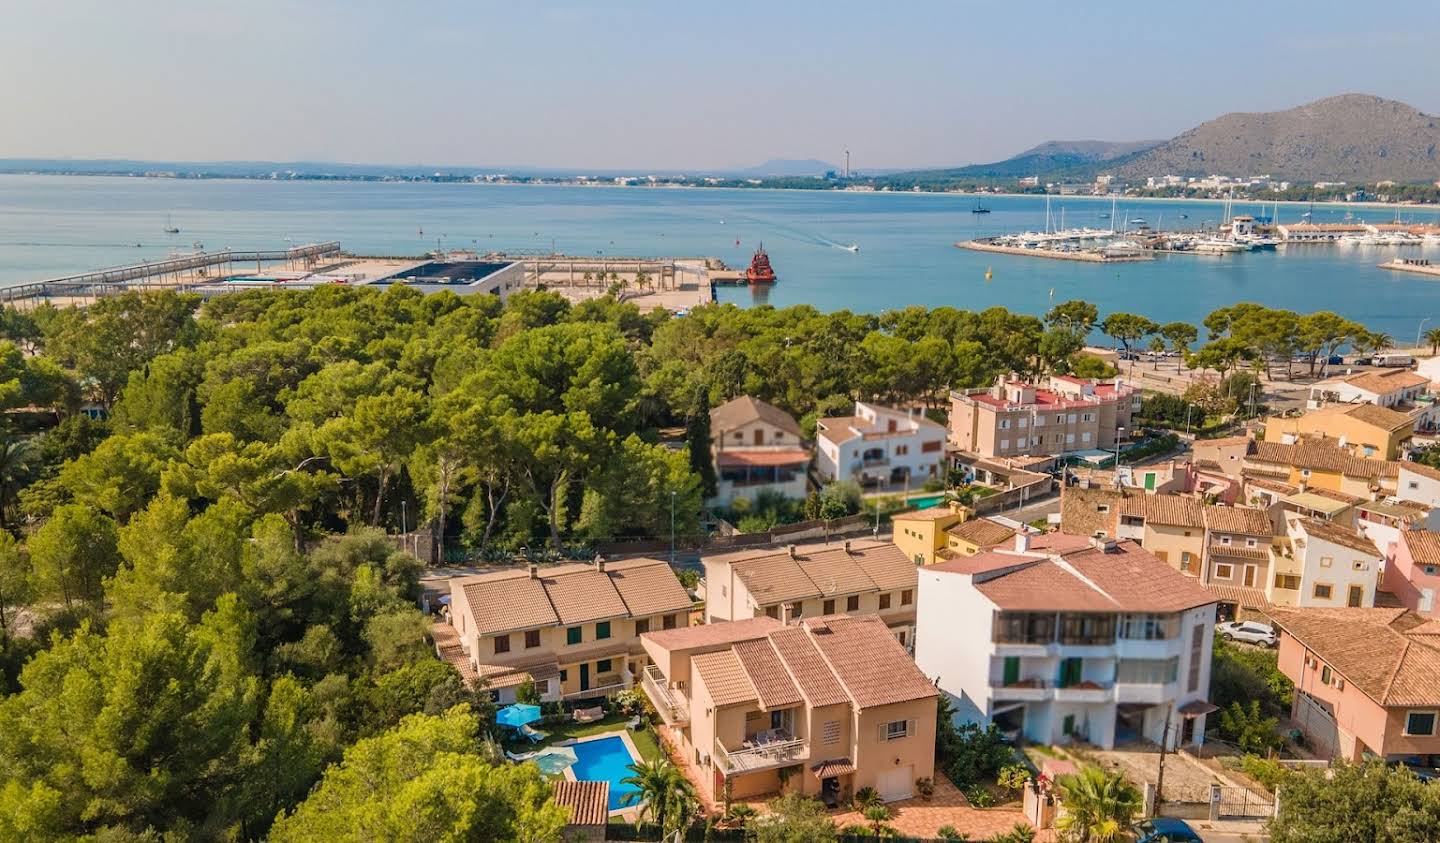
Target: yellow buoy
988, 274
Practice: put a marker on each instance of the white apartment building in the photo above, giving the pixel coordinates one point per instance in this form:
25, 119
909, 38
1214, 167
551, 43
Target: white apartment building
1383, 388
1323, 564
1068, 638
880, 445
1418, 483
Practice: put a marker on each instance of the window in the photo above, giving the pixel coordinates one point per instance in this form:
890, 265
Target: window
1327, 561
532, 639
1420, 723
642, 626
1020, 443
1224, 571
852, 603
1059, 419
1039, 421
1071, 418
1359, 565
1088, 417
574, 635
1197, 648
1004, 444
1102, 507
884, 601
1325, 675
502, 643
830, 732
602, 630
1147, 671
1250, 542
1413, 484
602, 666
828, 607
1004, 424
896, 729
1023, 421
772, 612
564, 675
931, 447
1069, 439
1322, 591
1289, 581
1085, 437
907, 597
902, 450
1225, 540
797, 609
668, 622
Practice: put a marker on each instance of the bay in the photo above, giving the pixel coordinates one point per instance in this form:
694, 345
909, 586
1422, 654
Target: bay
53, 225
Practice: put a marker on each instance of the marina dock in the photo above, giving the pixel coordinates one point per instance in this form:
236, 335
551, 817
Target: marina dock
1053, 254
1419, 266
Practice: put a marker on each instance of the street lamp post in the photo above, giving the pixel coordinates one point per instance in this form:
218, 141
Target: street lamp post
1119, 432
1419, 329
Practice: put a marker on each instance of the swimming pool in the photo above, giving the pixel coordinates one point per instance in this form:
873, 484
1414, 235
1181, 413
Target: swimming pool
925, 501
605, 760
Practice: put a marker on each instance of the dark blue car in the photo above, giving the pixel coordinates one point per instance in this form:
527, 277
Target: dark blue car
1165, 830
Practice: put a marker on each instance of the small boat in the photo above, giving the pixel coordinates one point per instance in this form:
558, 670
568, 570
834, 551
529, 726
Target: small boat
979, 209
760, 271
853, 247
988, 274
170, 226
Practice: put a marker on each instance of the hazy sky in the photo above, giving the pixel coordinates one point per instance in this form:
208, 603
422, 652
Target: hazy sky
672, 84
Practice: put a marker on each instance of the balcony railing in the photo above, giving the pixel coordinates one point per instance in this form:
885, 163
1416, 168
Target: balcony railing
1085, 692
605, 685
673, 706
776, 753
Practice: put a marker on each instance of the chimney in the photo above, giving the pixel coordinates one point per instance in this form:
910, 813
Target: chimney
847, 546
534, 571
790, 549
1022, 542
600, 563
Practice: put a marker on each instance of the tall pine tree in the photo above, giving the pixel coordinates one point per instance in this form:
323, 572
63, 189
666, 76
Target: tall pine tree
697, 438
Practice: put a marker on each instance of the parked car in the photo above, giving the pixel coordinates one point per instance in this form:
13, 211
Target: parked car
1251, 632
1165, 830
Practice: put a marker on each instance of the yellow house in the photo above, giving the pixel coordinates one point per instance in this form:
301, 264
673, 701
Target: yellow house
921, 534
1321, 464
1362, 430
971, 537
822, 708
574, 630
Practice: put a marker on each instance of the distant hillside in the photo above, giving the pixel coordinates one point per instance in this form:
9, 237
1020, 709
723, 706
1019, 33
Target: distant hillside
1352, 137
789, 167
1050, 159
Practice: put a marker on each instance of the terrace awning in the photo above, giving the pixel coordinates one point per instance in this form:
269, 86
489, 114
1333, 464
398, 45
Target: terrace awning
761, 459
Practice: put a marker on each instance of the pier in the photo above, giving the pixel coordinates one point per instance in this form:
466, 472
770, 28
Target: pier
178, 273
1419, 266
1053, 254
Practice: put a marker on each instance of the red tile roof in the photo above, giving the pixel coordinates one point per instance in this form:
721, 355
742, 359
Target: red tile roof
794, 456
509, 600
587, 802
870, 664
1374, 649
1126, 578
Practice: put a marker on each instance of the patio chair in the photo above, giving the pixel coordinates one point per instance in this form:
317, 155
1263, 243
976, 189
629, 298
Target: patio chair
589, 715
633, 724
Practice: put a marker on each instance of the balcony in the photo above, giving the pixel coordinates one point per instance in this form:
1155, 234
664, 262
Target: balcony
1085, 692
605, 685
673, 705
781, 750
1025, 690
1155, 692
1139, 648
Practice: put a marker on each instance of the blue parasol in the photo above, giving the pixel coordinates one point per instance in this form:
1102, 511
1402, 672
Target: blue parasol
517, 715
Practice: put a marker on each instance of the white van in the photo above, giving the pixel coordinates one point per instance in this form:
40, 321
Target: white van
1394, 360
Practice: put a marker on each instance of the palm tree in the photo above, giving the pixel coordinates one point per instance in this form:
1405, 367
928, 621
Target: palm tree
1099, 805
1381, 341
667, 797
1432, 336
16, 458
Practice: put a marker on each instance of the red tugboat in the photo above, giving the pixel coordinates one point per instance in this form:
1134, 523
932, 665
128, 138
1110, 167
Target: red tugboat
760, 271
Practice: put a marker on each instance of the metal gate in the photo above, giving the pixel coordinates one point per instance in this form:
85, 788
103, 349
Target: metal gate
1241, 803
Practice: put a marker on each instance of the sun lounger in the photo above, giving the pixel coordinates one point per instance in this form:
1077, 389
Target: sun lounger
523, 756
589, 715
535, 735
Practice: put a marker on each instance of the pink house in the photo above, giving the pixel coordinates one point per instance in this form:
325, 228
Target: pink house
1412, 571
1367, 681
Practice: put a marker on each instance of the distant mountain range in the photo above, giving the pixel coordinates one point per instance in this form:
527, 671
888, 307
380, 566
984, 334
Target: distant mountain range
1352, 137
789, 167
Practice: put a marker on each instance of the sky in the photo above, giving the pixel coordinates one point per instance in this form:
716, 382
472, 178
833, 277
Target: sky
670, 86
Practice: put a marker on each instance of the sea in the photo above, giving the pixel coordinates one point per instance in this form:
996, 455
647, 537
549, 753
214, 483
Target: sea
57, 225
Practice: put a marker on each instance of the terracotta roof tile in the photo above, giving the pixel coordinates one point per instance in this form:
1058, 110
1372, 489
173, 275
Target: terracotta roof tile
871, 665
1424, 548
713, 634
582, 595
1381, 417
982, 532
588, 802
448, 646
811, 674
741, 411
1421, 469
1336, 534
1169, 510
767, 674
1245, 598
1127, 578
724, 678
821, 570
788, 456
1383, 382
1376, 650
1244, 520
934, 513
648, 586
514, 601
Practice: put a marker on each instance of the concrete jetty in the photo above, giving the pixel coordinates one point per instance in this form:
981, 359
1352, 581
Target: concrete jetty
1053, 254
1419, 266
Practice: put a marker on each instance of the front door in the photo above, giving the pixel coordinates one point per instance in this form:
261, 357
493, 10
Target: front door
1249, 576
1070, 672
1357, 593
1012, 670
585, 676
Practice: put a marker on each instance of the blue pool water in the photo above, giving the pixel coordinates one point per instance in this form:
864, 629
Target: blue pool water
605, 760
926, 501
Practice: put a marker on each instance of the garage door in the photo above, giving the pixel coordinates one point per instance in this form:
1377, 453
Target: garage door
895, 784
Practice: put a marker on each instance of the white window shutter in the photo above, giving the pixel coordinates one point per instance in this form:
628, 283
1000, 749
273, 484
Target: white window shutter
910, 726
884, 732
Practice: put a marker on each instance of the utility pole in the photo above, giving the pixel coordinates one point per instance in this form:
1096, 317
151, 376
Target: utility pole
672, 527
1160, 774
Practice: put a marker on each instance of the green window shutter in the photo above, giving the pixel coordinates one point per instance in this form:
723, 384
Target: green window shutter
1012, 670
602, 630
574, 635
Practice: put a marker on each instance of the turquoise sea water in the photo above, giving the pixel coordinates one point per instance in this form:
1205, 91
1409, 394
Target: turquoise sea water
53, 225
605, 760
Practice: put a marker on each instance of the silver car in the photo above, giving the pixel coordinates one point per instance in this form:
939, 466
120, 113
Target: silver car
1251, 632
